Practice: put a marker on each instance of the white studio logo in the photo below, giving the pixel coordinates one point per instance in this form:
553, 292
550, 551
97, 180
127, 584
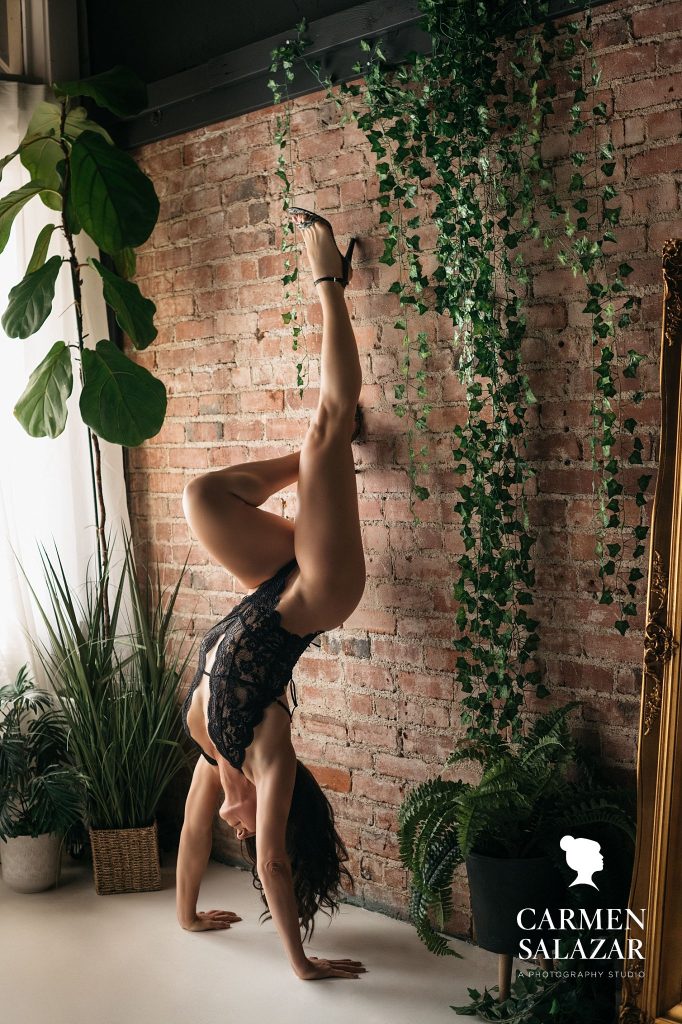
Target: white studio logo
584, 857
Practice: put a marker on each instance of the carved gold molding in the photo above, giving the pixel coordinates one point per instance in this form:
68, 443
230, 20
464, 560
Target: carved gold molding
633, 1015
659, 643
657, 876
672, 279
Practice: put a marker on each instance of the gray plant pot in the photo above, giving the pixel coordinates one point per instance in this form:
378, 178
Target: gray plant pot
31, 864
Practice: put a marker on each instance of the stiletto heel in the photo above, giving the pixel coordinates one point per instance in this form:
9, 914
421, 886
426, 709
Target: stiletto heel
310, 218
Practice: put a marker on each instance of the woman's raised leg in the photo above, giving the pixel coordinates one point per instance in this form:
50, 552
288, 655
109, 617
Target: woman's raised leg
327, 537
221, 509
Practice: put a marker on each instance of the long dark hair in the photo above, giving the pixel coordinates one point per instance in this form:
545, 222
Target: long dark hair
316, 853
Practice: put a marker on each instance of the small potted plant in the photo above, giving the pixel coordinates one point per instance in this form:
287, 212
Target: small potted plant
40, 791
506, 827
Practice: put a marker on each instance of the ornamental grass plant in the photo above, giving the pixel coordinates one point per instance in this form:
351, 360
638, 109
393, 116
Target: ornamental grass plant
118, 689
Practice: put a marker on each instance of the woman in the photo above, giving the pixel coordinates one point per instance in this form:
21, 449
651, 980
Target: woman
309, 576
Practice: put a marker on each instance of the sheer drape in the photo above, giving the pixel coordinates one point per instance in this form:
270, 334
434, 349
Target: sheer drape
45, 485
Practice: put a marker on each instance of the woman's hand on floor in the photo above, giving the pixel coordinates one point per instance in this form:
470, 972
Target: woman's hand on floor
211, 920
316, 969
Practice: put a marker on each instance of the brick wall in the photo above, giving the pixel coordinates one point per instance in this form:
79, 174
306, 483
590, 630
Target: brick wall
379, 703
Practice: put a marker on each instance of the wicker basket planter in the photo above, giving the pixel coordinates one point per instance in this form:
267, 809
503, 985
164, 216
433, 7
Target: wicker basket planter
125, 859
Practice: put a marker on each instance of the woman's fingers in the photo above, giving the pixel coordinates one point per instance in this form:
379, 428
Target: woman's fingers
352, 965
338, 968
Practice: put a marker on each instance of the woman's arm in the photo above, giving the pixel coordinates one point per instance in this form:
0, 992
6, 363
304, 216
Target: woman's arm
274, 780
195, 849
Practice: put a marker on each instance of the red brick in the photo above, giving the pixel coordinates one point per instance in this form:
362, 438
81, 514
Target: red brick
373, 734
636, 60
656, 161
425, 685
663, 124
380, 790
649, 92
252, 241
663, 230
262, 401
407, 768
326, 143
337, 779
611, 33
656, 20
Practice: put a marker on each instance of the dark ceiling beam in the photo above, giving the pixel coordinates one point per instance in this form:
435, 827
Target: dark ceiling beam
236, 83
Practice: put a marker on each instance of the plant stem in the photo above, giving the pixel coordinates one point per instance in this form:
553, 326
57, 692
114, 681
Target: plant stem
93, 442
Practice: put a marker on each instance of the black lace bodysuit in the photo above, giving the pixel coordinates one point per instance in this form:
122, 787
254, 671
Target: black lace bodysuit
252, 668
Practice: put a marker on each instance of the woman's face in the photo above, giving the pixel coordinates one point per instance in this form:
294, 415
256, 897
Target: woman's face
240, 813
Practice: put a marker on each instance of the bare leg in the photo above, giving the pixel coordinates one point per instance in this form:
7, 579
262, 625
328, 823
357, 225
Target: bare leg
327, 537
254, 482
221, 506
221, 509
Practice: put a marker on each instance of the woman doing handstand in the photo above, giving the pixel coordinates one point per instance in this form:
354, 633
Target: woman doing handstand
309, 576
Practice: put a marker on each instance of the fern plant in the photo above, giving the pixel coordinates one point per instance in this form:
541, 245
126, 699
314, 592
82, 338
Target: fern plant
40, 790
528, 795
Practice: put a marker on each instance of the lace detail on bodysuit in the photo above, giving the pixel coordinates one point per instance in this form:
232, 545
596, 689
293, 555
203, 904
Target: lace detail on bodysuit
252, 668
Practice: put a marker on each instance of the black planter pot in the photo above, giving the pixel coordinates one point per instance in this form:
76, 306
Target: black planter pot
500, 888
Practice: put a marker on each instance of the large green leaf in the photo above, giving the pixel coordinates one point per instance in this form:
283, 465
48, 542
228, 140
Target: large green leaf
40, 155
119, 89
134, 312
42, 244
114, 200
30, 301
41, 149
41, 409
46, 121
10, 206
121, 401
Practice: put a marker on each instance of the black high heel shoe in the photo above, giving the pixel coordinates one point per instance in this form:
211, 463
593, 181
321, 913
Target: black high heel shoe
310, 218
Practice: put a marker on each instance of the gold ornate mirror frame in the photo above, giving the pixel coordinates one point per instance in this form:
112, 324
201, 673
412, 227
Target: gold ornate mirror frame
655, 997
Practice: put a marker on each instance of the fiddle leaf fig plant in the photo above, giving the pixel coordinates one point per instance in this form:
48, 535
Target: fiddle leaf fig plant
95, 189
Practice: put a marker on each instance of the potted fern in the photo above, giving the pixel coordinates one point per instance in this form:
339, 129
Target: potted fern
506, 828
40, 790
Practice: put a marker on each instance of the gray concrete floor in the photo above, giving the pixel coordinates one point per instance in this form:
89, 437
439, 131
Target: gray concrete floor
69, 956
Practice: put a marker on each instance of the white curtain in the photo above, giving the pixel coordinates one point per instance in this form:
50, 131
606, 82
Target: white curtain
45, 484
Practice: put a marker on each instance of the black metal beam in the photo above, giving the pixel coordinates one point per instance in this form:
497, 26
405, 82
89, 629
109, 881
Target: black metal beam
236, 82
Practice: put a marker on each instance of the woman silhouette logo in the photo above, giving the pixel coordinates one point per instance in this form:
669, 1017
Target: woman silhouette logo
583, 856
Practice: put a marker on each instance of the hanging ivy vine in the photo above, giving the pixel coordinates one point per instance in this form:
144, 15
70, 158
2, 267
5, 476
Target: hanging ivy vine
457, 137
